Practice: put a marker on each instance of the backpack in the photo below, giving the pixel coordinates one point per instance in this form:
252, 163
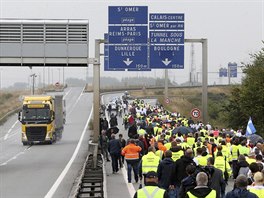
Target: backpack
207, 170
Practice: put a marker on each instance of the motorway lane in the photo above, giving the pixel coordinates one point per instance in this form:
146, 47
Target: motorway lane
34, 169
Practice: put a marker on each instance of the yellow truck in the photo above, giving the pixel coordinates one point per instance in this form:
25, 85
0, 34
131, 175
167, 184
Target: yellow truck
42, 118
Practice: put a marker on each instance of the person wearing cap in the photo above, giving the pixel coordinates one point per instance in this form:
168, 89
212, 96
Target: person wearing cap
240, 189
151, 188
201, 190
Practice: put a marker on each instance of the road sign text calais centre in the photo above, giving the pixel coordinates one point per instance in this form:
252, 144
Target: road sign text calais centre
166, 41
127, 37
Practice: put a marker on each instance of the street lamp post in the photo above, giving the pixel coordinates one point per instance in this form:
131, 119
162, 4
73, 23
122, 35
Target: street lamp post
33, 83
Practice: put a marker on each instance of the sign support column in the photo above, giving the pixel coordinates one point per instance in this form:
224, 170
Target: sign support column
166, 84
204, 75
205, 81
96, 99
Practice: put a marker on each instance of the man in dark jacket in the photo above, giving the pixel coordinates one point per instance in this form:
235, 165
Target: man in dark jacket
241, 189
150, 129
165, 170
201, 190
180, 166
132, 131
114, 148
217, 180
189, 182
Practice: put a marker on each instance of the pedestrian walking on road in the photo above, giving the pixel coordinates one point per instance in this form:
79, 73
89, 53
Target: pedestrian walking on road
240, 190
165, 172
149, 162
151, 189
103, 139
131, 153
132, 130
217, 181
180, 167
201, 190
123, 144
114, 149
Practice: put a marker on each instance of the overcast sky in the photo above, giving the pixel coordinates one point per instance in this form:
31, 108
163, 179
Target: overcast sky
233, 29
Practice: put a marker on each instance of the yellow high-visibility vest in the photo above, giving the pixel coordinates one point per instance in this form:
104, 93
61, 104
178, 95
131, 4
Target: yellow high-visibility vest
234, 152
177, 155
243, 150
159, 153
258, 190
150, 162
202, 160
191, 141
212, 194
168, 145
220, 163
150, 191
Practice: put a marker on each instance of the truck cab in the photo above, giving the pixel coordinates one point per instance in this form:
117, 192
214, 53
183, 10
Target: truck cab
38, 119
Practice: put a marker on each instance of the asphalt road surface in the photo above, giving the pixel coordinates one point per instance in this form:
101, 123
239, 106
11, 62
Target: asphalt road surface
45, 170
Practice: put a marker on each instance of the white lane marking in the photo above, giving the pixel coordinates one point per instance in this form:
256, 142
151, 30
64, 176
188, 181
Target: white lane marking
14, 157
67, 93
130, 186
67, 167
10, 135
77, 101
7, 134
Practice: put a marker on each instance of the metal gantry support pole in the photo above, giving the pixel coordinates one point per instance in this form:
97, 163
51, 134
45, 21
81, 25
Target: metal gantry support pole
204, 75
96, 100
205, 80
96, 91
166, 84
229, 75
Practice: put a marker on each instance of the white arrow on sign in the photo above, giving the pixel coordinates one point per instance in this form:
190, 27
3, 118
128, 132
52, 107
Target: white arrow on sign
127, 61
166, 61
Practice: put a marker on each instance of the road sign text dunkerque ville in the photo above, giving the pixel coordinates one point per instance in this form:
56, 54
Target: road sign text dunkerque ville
128, 37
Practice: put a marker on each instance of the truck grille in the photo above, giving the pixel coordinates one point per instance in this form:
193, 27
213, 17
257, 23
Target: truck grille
36, 133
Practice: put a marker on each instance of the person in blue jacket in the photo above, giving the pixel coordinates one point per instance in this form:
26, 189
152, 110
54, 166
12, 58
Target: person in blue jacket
240, 190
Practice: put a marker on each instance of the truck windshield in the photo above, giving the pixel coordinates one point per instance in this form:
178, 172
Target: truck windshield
36, 114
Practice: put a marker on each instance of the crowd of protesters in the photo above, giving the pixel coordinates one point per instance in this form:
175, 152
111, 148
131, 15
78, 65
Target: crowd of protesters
176, 157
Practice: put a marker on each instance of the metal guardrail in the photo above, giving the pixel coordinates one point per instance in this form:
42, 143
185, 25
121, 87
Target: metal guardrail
117, 89
92, 179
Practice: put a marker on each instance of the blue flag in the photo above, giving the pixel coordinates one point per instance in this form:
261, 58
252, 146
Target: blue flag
250, 128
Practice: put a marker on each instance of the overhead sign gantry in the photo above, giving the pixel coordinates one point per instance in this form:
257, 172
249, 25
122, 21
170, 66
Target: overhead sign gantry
44, 42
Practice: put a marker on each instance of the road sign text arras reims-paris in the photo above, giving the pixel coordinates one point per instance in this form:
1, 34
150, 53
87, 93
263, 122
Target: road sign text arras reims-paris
128, 37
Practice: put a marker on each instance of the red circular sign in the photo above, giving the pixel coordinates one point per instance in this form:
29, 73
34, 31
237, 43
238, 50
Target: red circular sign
57, 84
167, 100
196, 113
